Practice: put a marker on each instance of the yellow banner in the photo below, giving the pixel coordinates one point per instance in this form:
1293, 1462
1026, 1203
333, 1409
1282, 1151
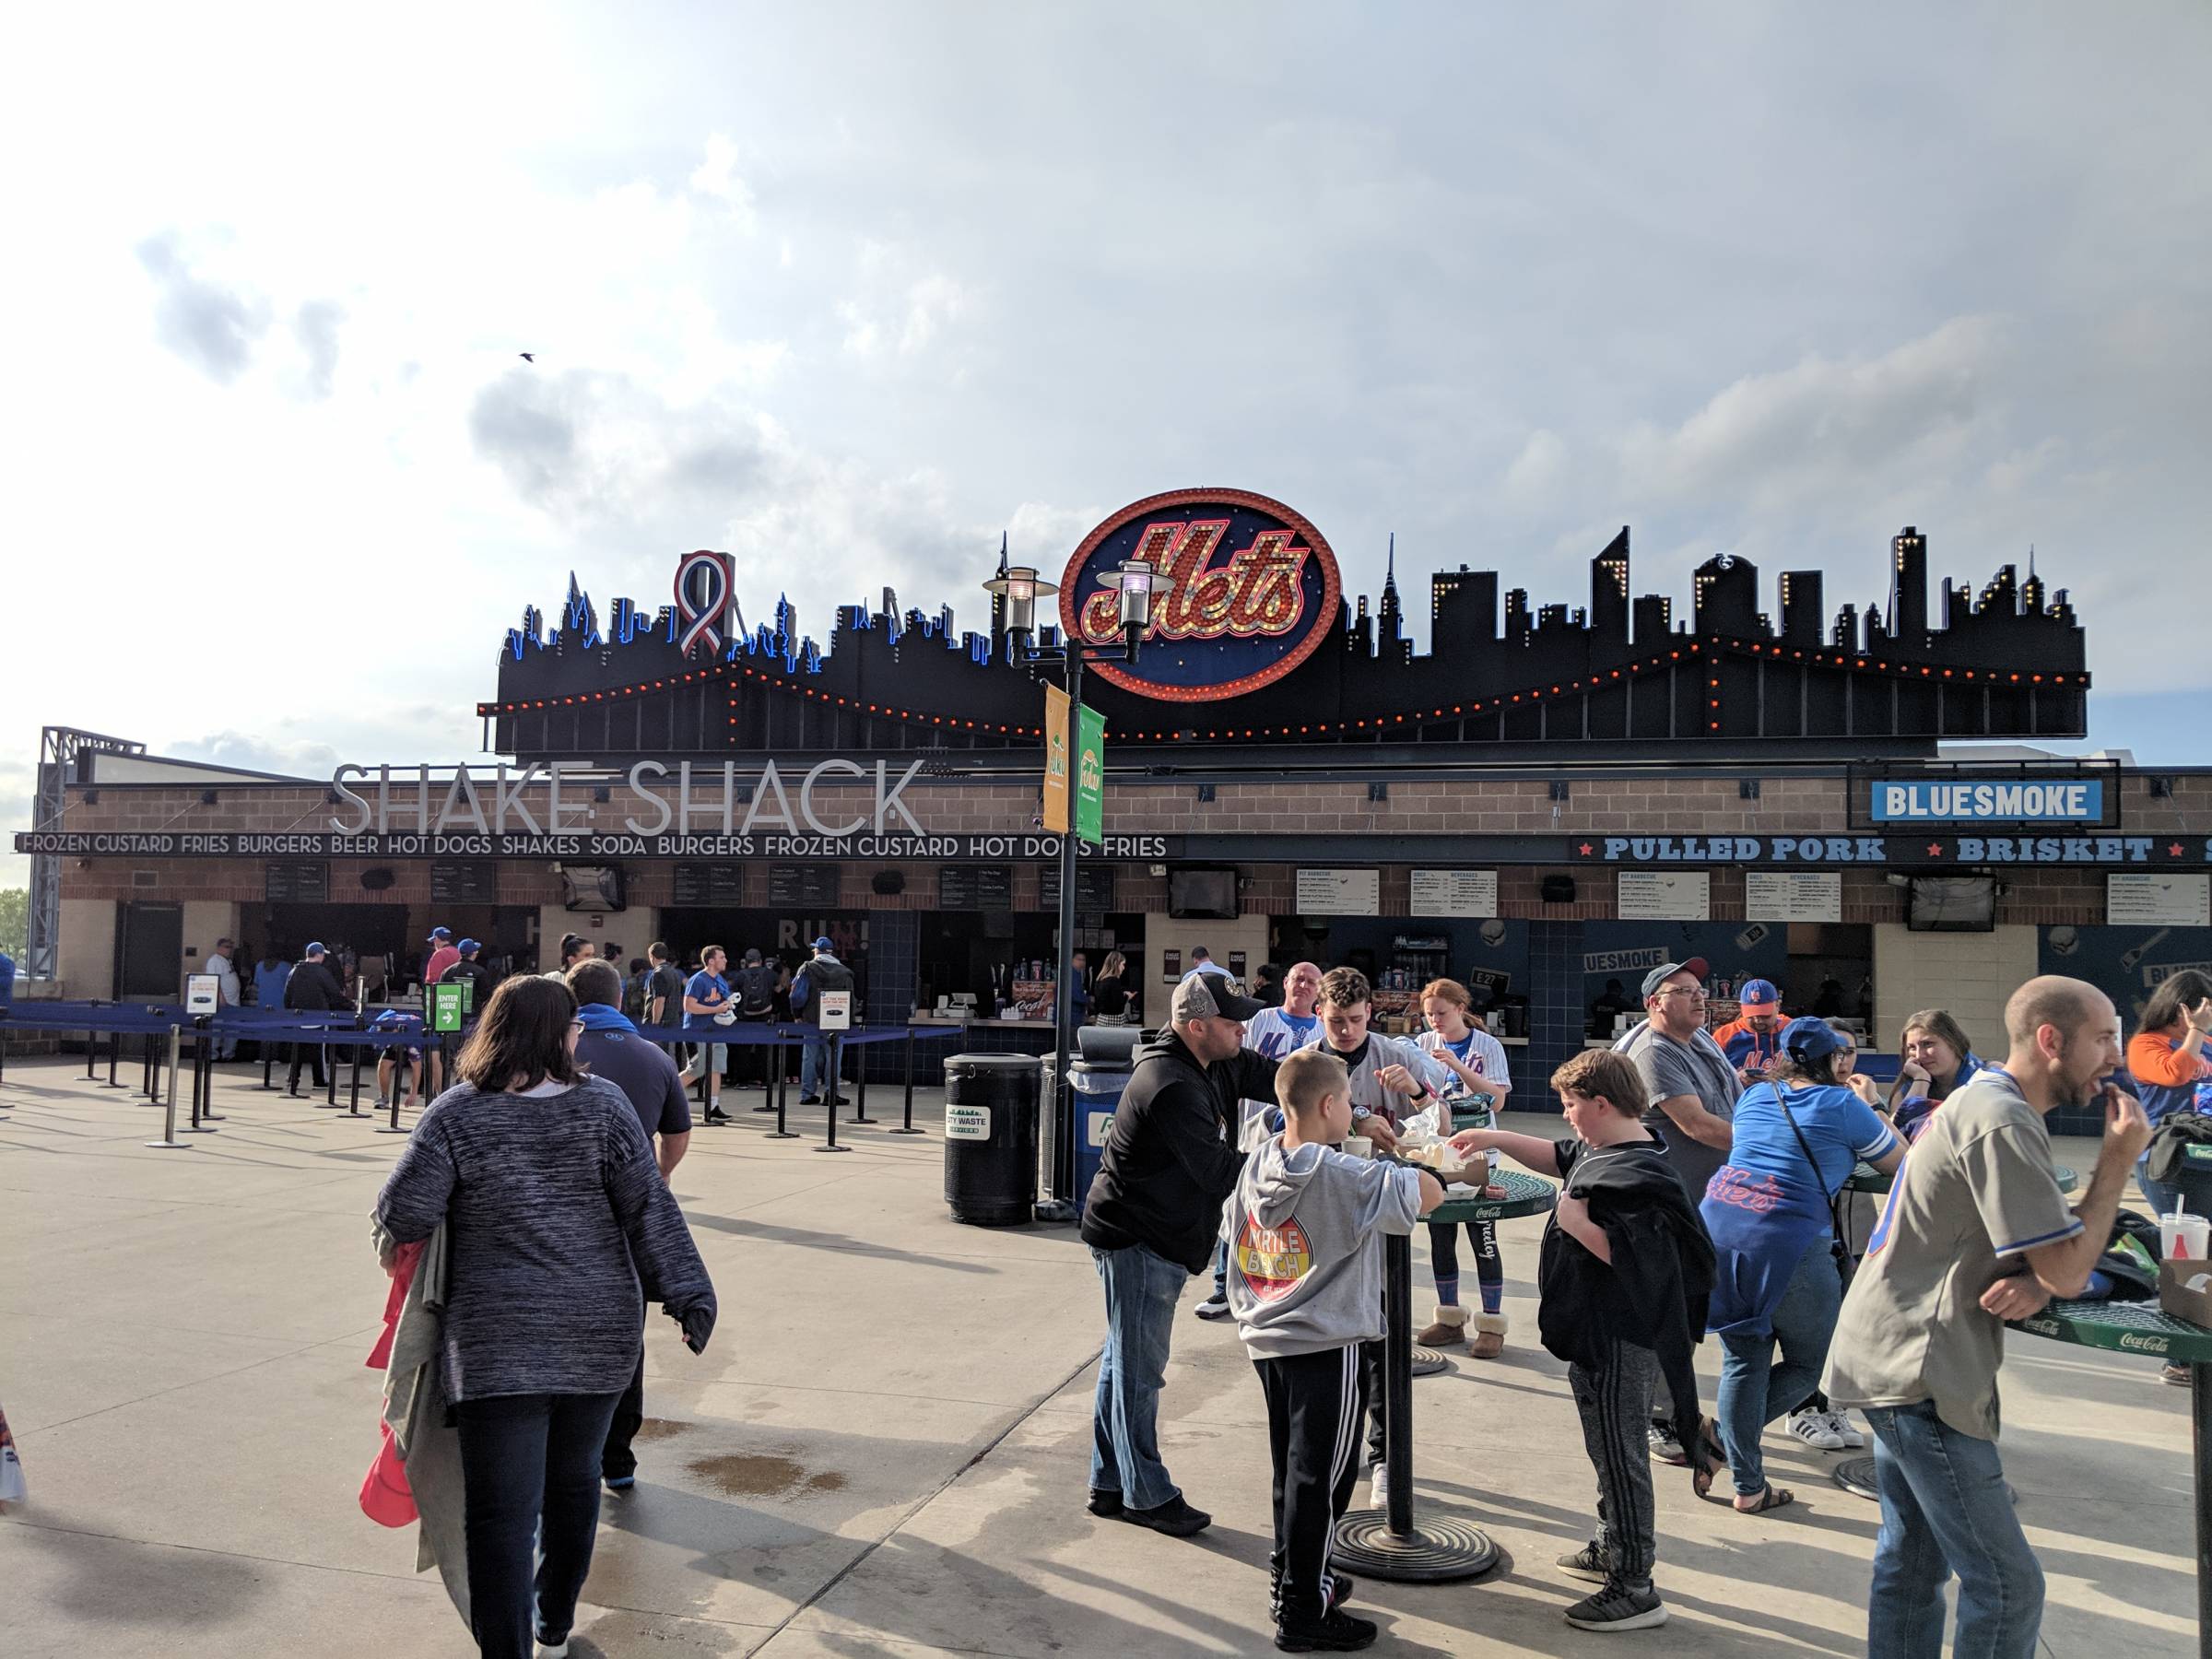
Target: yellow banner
1056, 746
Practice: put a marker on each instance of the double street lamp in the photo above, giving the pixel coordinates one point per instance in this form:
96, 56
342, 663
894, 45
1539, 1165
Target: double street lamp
1020, 587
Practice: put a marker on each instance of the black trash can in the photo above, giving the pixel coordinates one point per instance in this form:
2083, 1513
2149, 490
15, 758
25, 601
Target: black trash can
991, 1137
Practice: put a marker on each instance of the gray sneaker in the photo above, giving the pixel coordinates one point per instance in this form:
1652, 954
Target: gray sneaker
1618, 1607
1588, 1563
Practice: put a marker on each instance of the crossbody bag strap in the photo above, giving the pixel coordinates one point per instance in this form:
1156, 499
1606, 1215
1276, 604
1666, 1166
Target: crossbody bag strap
1835, 1222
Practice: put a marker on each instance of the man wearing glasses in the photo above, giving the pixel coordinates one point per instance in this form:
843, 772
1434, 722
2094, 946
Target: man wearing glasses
1692, 1086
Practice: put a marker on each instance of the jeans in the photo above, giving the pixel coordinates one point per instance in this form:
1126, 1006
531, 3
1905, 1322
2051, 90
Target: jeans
1754, 1392
1142, 1289
1221, 1270
1945, 1510
306, 1053
530, 1475
821, 1062
2164, 1197
616, 1461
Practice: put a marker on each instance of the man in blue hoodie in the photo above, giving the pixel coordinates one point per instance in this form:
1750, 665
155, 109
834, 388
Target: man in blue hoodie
1306, 1225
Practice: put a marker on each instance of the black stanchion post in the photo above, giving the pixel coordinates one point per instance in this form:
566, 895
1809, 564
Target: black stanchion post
199, 1124
115, 1051
268, 1061
209, 1115
830, 1117
91, 1048
860, 1084
169, 1141
907, 1127
782, 1089
394, 1127
330, 1072
353, 1106
771, 1066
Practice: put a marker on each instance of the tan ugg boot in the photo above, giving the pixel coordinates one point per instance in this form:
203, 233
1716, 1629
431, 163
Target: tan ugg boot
1448, 1330
1489, 1335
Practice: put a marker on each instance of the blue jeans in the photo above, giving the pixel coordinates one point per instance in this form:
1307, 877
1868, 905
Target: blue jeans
814, 1072
1221, 1270
1754, 1392
1142, 1289
2164, 1198
1945, 1510
530, 1488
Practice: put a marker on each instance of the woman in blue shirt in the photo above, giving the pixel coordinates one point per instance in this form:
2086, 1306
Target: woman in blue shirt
1769, 1210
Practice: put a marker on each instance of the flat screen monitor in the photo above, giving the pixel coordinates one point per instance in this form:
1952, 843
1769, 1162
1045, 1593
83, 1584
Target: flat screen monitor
1202, 894
1952, 904
595, 887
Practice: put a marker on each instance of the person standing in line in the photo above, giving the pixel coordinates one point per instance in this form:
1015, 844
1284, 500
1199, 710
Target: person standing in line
1079, 972
1753, 1040
637, 991
269, 975
1150, 1220
1622, 1281
1202, 961
706, 1009
1388, 1074
444, 953
312, 988
229, 995
1770, 1211
1272, 1033
753, 989
1267, 985
1975, 1233
609, 951
558, 1229
1308, 1221
574, 948
822, 1061
1480, 1081
1110, 990
665, 1002
611, 1048
1693, 1090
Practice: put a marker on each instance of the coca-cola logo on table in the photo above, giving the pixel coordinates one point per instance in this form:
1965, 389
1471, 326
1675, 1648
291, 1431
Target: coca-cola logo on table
1249, 589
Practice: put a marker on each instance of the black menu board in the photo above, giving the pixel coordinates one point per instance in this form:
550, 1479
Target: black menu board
975, 887
803, 884
464, 881
710, 886
298, 881
1094, 886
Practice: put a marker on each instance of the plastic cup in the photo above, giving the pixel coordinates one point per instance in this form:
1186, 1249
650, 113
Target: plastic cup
1359, 1146
2185, 1237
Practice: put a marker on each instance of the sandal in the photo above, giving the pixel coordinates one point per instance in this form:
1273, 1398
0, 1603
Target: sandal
1773, 1498
1714, 1458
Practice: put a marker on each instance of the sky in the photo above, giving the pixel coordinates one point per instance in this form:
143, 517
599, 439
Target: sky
851, 291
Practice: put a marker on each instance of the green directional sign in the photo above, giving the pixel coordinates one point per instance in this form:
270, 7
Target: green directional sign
448, 1003
1090, 774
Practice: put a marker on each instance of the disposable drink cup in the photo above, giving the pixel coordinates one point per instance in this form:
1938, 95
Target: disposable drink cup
2185, 1237
1359, 1146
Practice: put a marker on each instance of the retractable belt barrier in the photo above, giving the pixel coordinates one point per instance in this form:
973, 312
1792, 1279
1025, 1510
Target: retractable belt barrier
773, 1035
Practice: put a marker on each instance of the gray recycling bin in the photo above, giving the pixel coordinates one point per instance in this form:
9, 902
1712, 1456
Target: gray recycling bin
991, 1138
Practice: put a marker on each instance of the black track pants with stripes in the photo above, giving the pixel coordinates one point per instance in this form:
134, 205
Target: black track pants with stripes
1614, 1401
1315, 1406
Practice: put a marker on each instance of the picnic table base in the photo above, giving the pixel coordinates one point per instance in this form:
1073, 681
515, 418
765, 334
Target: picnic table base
1427, 1361
1438, 1551
1855, 1476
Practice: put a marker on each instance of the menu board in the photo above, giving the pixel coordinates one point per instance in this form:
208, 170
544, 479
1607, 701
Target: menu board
803, 884
1793, 895
1094, 887
464, 881
1339, 892
297, 880
975, 887
1665, 895
710, 886
1454, 893
2157, 898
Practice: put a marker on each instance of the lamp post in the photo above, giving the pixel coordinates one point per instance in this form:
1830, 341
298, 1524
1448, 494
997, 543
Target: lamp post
1021, 588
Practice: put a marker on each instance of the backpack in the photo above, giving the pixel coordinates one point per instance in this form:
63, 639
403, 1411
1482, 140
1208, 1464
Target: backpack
636, 996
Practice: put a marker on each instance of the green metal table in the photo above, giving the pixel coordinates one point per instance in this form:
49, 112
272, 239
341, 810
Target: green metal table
1385, 1543
1867, 1179
2140, 1328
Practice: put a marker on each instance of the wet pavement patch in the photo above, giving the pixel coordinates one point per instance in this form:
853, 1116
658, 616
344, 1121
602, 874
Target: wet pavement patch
758, 1476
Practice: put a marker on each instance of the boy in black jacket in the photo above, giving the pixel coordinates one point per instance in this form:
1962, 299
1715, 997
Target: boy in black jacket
1151, 1217
1622, 1283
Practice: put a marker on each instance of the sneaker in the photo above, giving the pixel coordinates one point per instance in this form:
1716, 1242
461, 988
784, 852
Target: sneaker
1333, 1633
1214, 1307
715, 1114
552, 1650
1588, 1563
1812, 1428
1175, 1518
1105, 1504
381, 1102
2177, 1375
810, 1099
1378, 1487
1618, 1607
1341, 1586
1666, 1448
620, 1483
1852, 1439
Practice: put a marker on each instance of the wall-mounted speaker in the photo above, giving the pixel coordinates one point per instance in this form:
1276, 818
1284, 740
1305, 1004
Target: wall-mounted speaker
1557, 889
376, 881
889, 882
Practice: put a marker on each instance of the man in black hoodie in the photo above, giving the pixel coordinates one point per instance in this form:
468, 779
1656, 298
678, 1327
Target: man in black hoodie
1154, 1210
312, 989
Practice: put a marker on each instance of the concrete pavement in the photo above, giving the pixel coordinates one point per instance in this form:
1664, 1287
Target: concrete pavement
883, 1450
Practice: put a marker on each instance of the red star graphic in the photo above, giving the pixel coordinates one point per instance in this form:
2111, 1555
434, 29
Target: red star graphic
1586, 848
2173, 850
1934, 849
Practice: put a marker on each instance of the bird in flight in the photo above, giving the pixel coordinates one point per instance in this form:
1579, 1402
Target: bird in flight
528, 356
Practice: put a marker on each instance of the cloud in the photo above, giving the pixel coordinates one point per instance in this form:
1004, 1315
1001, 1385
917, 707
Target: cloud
213, 328
315, 328
1538, 470
901, 305
250, 752
716, 178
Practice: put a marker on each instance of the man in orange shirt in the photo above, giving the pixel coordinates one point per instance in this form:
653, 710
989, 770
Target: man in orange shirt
1753, 1041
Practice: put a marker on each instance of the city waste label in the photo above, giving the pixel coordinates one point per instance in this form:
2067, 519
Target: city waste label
1100, 1125
967, 1122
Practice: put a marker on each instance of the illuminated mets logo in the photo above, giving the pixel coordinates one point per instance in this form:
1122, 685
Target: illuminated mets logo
1247, 589
1273, 1259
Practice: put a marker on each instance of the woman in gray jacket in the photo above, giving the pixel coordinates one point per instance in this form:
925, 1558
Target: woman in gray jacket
550, 1193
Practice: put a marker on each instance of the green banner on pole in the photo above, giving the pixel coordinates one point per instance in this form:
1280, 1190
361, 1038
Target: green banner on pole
1090, 774
445, 1007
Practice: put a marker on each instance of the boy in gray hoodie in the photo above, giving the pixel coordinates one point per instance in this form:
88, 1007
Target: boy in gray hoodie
1306, 1286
